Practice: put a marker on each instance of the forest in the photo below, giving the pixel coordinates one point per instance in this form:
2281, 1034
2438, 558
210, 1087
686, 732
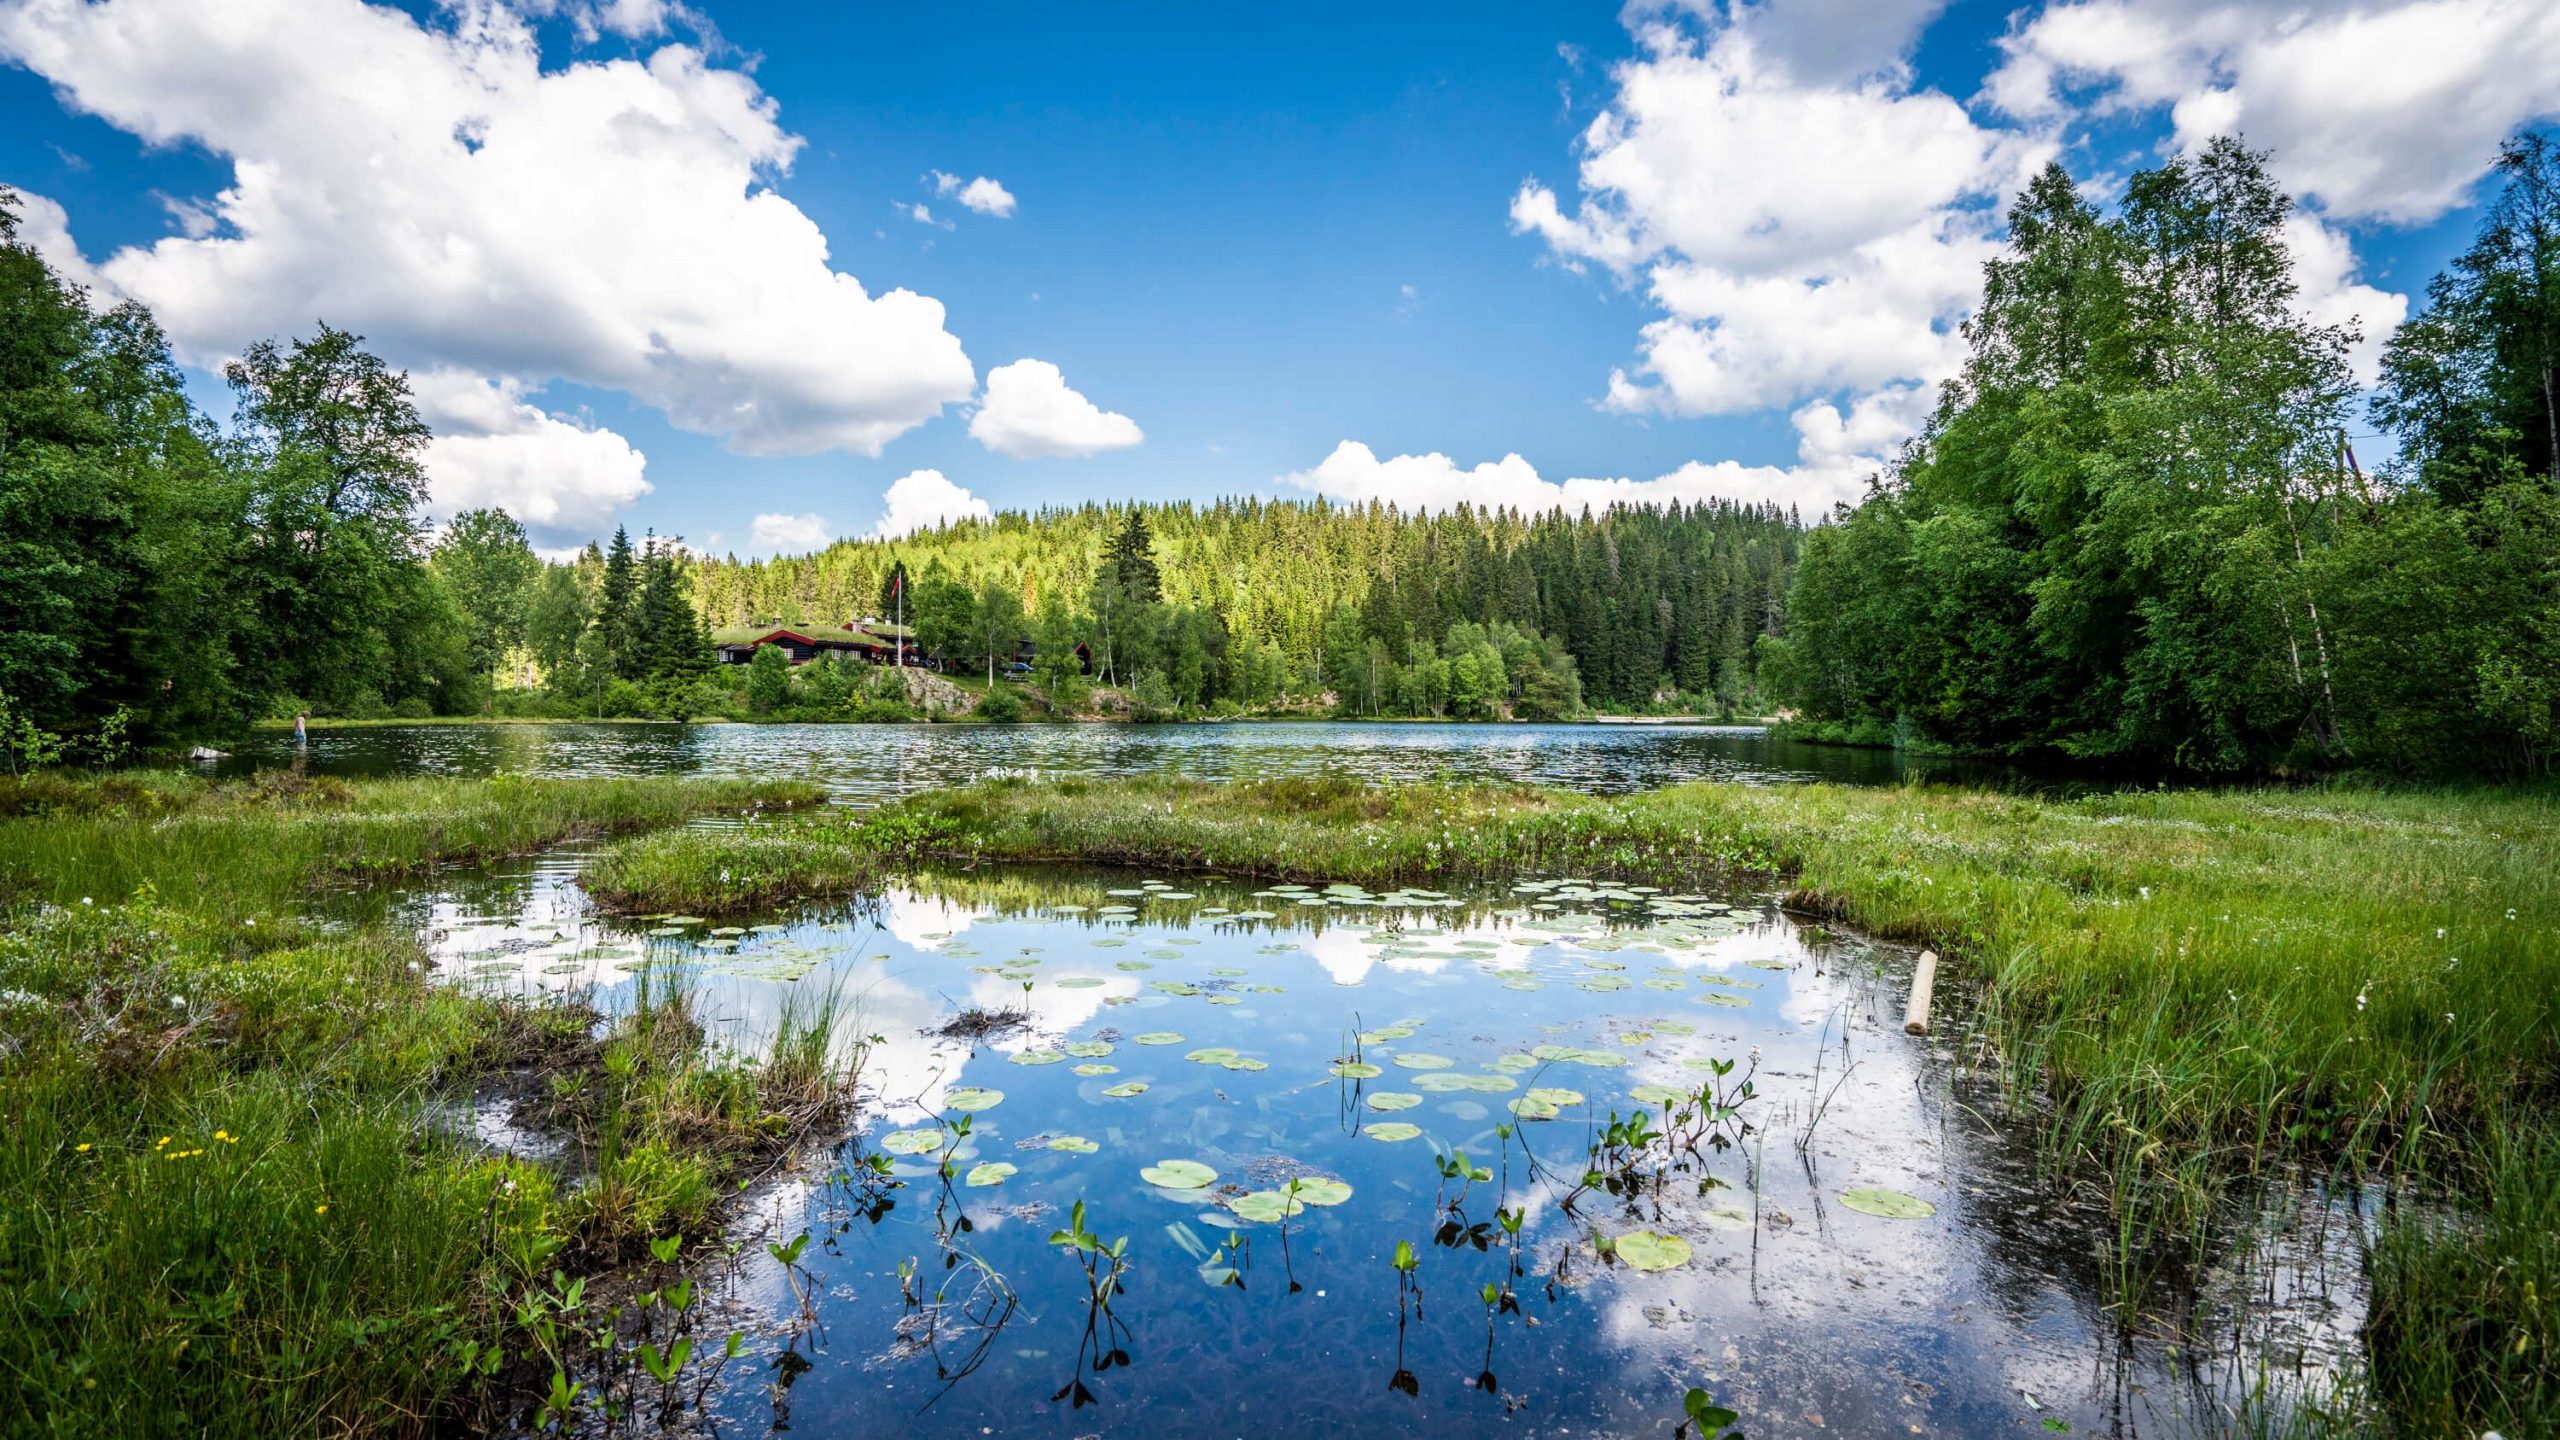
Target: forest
2135, 533
2136, 530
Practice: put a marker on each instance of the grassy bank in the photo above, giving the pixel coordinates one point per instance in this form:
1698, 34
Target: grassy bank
235, 1200
2184, 989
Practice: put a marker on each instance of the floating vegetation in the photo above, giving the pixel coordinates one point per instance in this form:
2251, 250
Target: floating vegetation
1356, 1070
1072, 1144
1419, 1061
1178, 1175
1391, 1130
1037, 1057
1125, 1089
972, 1099
1158, 1037
1096, 1068
992, 1172
1647, 1250
1391, 1100
911, 1142
1889, 1204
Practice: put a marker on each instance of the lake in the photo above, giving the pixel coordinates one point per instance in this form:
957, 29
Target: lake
870, 763
1858, 1246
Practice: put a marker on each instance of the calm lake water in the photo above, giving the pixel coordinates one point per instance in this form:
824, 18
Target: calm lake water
1350, 1041
872, 762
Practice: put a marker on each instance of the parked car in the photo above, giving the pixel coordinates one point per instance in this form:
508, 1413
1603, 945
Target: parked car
1018, 671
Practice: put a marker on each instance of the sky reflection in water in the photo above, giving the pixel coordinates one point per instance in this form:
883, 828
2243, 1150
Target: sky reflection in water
1810, 1317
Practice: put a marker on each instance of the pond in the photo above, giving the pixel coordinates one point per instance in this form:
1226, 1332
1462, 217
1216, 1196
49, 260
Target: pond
1851, 1244
868, 763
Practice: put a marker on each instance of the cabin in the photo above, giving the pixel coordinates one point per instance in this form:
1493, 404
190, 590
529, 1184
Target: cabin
801, 646
872, 641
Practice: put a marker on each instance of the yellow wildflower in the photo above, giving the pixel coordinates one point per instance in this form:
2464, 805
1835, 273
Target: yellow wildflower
319, 1209
84, 1147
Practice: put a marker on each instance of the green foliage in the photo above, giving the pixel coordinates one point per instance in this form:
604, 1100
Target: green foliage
2132, 531
1272, 604
768, 680
1000, 705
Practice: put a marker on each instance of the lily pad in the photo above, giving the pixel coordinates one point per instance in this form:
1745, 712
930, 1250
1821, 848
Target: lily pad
1178, 1174
1037, 1057
1890, 1204
1662, 1095
1080, 982
911, 1142
1125, 1089
970, 1099
1393, 1100
1645, 1250
1073, 1144
993, 1172
1391, 1130
1159, 1037
1316, 1190
1211, 1055
1267, 1206
1087, 1049
1419, 1061
1096, 1067
1356, 1070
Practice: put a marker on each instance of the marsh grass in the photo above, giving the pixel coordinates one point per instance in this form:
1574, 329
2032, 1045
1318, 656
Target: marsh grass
235, 1203
2184, 990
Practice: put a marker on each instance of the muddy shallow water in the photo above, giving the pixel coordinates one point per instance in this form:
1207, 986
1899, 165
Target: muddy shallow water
1236, 1008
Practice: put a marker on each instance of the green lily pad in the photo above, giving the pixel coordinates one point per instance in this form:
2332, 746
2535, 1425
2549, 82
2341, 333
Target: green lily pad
1356, 1070
993, 1172
970, 1099
911, 1142
1267, 1206
1211, 1055
1726, 1217
1129, 965
1890, 1204
1316, 1190
1718, 997
1645, 1250
1125, 1089
1178, 1174
1662, 1095
1037, 1057
1096, 1067
1419, 1061
1393, 1100
1391, 1130
1073, 1144
1384, 1034
1087, 1049
1159, 1037
1081, 982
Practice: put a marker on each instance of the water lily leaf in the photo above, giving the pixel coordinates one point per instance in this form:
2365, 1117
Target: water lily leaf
1125, 1089
1178, 1174
1080, 982
1392, 1100
1385, 1033
1317, 1190
1132, 966
1097, 1068
1419, 1061
1224, 1000
1356, 1070
1391, 1130
1211, 1055
1037, 1057
1718, 997
993, 1172
1890, 1204
1555, 1095
970, 1099
1645, 1250
1266, 1206
1087, 1049
911, 1142
1073, 1144
1661, 1095
1159, 1037
1725, 1217
1245, 1062
1602, 984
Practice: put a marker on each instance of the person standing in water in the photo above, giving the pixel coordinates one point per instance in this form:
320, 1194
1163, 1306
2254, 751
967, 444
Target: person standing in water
301, 736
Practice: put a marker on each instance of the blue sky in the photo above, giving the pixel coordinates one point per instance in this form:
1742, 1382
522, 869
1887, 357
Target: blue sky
1363, 251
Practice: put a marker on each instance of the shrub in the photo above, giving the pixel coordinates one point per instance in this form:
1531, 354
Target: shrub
1001, 706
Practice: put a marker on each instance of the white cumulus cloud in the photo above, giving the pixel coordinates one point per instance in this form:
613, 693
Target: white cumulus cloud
790, 534
987, 197
921, 500
435, 188
2383, 109
1029, 411
561, 478
1809, 222
1355, 475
